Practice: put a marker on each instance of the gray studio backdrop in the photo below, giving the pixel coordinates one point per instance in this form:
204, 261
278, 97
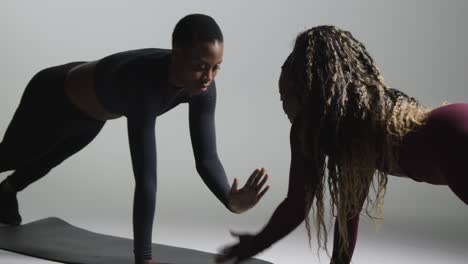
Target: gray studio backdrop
420, 47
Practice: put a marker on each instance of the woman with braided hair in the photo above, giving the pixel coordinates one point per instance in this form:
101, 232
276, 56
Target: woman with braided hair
350, 131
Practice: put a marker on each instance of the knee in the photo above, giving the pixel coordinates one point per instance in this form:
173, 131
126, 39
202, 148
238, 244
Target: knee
6, 163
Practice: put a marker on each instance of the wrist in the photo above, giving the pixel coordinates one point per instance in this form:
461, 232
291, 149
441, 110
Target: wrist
260, 243
233, 209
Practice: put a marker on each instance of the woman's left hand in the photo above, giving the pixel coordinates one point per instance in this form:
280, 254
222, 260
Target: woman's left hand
247, 197
241, 251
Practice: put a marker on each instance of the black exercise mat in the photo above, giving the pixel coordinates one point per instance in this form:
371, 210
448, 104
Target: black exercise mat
56, 240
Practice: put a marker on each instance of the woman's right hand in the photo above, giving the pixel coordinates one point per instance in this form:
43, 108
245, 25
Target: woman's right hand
248, 196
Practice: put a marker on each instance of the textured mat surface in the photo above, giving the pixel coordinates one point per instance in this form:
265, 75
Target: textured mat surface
56, 240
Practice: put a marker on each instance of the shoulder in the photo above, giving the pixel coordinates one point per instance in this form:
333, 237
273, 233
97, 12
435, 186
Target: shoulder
296, 138
141, 52
129, 56
305, 137
297, 128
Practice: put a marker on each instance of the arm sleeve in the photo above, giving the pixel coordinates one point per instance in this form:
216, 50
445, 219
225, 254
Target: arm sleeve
291, 212
203, 136
141, 134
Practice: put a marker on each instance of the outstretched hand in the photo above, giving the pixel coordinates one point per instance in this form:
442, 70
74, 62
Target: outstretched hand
241, 251
248, 196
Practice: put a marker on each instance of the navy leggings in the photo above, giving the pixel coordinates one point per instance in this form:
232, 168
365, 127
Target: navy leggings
45, 130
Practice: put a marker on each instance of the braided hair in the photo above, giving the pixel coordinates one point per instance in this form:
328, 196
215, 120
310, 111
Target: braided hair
348, 108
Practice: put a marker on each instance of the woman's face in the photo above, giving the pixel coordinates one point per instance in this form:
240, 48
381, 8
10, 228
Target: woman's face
196, 67
291, 101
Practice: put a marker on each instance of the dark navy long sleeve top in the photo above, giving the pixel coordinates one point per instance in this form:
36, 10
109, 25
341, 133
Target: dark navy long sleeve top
136, 84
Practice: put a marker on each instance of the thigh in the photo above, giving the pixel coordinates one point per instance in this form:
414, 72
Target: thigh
30, 172
66, 148
43, 118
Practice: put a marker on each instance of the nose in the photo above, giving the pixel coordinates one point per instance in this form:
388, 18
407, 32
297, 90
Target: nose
208, 76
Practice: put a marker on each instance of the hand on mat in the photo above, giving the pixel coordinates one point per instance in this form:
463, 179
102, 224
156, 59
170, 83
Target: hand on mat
241, 251
248, 196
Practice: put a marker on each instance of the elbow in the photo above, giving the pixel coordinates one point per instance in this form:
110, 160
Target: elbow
146, 185
206, 162
200, 166
147, 192
207, 165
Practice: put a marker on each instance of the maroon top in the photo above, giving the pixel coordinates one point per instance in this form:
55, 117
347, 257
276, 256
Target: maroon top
431, 154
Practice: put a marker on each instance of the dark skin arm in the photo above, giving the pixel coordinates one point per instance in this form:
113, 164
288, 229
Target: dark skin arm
291, 212
287, 216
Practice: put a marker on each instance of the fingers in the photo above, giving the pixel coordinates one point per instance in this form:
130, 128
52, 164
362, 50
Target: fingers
258, 176
255, 177
224, 258
221, 258
260, 195
260, 185
234, 185
226, 254
252, 177
256, 182
237, 234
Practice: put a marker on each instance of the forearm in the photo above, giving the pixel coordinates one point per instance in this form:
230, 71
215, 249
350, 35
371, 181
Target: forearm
291, 212
141, 132
143, 215
213, 175
203, 136
287, 217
